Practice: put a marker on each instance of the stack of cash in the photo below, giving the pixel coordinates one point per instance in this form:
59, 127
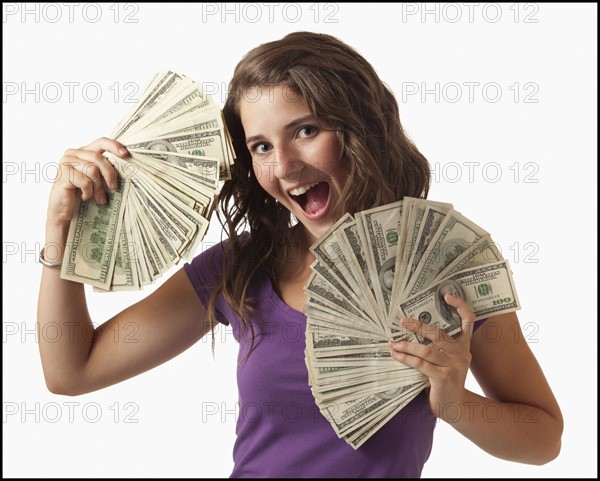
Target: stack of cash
371, 270
179, 151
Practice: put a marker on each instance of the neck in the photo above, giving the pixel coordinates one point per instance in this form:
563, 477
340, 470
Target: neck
298, 258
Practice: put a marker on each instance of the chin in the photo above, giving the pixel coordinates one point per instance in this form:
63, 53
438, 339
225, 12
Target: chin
317, 231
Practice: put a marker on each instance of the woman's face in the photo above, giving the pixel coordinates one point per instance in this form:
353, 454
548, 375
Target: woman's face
295, 159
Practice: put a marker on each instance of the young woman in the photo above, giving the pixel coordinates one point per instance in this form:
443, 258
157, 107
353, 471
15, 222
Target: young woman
317, 134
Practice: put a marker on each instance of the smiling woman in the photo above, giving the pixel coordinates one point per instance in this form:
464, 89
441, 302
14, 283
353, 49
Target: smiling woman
317, 134
306, 174
302, 110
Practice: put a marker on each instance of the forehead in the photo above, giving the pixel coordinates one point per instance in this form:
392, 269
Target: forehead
271, 103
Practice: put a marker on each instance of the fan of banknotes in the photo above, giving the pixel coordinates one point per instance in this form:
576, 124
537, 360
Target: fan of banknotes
179, 150
371, 270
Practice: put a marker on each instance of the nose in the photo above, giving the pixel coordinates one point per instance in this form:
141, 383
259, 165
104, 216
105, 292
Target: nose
287, 163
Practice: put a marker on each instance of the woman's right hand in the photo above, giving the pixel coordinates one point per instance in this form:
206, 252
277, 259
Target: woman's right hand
83, 169
165, 323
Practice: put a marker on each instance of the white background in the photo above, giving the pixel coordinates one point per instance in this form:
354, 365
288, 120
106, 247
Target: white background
523, 142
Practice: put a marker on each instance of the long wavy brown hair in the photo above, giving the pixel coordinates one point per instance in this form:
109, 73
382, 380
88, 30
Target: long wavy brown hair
382, 164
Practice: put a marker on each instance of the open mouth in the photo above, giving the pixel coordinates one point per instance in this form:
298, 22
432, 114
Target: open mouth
312, 198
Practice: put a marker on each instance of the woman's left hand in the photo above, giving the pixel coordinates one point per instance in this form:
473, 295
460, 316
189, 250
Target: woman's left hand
446, 362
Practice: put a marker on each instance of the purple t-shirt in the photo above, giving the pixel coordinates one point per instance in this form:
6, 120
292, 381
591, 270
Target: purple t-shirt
280, 430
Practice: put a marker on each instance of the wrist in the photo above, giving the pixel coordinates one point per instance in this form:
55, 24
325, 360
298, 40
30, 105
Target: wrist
459, 410
53, 248
56, 231
450, 408
51, 255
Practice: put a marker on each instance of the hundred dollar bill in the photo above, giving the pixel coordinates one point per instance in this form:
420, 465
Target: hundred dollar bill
356, 377
193, 97
489, 290
354, 251
381, 227
334, 283
167, 84
210, 143
156, 79
480, 253
322, 321
323, 247
359, 437
410, 226
93, 239
333, 373
330, 256
339, 341
424, 223
318, 287
193, 195
454, 235
203, 119
203, 170
347, 415
125, 274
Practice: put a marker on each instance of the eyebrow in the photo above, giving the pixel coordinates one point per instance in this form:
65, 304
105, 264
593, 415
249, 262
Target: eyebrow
288, 126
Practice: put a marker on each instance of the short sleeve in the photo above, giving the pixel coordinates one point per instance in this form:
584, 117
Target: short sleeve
205, 273
478, 324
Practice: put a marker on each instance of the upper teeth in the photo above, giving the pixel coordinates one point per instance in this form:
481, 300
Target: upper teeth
302, 190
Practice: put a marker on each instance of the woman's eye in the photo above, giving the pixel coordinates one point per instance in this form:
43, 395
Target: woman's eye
307, 131
261, 148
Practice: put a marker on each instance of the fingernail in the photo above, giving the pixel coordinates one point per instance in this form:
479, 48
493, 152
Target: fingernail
122, 151
102, 199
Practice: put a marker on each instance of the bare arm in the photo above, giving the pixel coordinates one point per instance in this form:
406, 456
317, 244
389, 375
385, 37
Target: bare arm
529, 425
519, 420
139, 338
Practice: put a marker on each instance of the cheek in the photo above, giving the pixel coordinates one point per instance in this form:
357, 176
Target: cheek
257, 171
261, 173
335, 169
334, 166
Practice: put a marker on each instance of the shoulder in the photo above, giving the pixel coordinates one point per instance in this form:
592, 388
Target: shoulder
213, 255
207, 263
479, 323
206, 269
